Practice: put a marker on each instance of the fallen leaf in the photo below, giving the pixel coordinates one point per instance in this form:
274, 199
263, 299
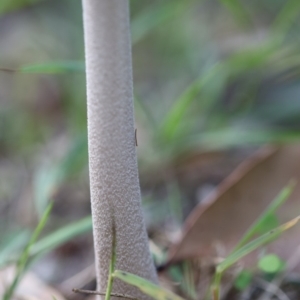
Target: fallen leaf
214, 227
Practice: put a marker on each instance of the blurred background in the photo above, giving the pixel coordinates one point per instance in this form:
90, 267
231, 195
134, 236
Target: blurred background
213, 80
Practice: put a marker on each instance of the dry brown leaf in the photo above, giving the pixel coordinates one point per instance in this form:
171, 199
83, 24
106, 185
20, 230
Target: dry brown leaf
215, 226
29, 288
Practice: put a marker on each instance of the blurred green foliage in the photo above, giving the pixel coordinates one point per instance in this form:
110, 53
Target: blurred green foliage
201, 68
243, 280
208, 75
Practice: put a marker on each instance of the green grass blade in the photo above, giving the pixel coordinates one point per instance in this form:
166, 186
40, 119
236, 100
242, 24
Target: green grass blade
54, 67
61, 67
253, 245
146, 286
111, 268
52, 240
271, 209
23, 260
183, 275
110, 283
233, 137
61, 236
55, 239
251, 59
189, 280
231, 67
179, 108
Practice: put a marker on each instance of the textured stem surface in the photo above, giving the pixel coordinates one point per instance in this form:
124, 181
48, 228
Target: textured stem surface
114, 183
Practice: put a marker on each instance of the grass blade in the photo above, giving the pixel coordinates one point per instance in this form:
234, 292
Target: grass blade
232, 67
253, 245
233, 137
245, 250
54, 67
61, 236
146, 286
174, 117
271, 209
23, 260
111, 268
55, 239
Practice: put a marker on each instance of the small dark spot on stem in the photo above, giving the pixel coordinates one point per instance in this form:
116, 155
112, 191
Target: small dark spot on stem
135, 136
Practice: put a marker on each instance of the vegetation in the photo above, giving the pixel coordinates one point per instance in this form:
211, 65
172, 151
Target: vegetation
213, 82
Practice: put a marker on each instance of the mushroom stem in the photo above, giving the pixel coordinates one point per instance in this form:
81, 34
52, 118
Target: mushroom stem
114, 183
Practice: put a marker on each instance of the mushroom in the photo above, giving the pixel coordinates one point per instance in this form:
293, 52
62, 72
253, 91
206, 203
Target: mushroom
114, 182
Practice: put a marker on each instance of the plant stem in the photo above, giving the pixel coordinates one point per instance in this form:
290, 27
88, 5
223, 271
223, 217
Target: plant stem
111, 268
23, 260
216, 285
114, 181
88, 292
